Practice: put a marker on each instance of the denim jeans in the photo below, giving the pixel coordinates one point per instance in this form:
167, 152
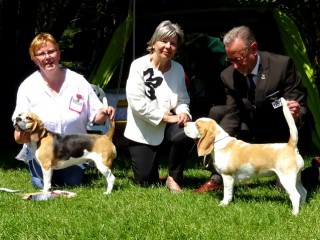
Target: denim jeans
71, 176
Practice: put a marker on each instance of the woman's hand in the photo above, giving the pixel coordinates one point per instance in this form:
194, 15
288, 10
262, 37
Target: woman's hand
180, 118
111, 112
103, 114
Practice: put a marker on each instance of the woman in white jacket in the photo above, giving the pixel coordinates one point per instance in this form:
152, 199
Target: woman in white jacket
158, 107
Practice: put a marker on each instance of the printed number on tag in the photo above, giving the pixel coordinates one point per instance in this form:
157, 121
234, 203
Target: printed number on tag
76, 104
276, 103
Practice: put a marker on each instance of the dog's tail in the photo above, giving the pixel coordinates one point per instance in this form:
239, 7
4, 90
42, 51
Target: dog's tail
293, 139
112, 127
112, 123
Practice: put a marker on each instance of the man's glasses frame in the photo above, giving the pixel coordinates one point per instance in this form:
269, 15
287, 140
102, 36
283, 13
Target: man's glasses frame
238, 59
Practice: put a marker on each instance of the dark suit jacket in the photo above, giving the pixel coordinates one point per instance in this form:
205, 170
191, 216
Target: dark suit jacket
276, 73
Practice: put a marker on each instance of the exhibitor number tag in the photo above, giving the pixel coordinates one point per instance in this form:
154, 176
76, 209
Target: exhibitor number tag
276, 103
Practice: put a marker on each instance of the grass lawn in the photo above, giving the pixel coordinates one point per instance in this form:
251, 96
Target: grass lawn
259, 210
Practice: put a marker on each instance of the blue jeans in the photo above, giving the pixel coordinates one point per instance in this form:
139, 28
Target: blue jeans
71, 176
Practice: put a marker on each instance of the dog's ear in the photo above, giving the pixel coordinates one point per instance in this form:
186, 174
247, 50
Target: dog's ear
38, 130
34, 135
205, 144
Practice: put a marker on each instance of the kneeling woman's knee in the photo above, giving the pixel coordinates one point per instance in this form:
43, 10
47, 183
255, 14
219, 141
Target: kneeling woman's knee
36, 182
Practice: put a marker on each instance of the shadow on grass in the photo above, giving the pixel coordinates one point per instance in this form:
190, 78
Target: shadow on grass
259, 191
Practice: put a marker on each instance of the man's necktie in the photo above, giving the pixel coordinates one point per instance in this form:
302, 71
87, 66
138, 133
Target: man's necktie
252, 89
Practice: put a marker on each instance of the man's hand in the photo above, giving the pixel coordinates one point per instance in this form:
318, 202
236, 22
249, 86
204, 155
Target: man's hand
294, 108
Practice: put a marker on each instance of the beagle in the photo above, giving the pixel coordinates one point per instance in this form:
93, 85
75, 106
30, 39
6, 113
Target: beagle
237, 160
57, 151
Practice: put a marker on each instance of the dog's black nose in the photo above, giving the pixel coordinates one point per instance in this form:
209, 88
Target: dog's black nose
18, 119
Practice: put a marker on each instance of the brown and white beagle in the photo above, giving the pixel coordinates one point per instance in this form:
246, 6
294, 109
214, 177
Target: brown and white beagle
237, 160
58, 151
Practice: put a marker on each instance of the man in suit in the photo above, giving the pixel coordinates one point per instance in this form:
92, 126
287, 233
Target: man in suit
254, 82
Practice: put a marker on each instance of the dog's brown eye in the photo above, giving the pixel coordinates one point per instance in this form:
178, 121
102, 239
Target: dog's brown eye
29, 118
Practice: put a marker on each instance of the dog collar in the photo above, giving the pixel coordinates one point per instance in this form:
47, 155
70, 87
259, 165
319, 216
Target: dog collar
221, 138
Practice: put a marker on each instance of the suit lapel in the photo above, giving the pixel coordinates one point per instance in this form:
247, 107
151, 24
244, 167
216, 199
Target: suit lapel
262, 79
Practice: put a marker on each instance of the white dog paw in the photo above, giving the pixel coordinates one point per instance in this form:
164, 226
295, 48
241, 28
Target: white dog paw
223, 203
295, 212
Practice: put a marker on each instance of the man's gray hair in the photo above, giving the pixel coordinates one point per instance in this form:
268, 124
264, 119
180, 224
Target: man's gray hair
242, 32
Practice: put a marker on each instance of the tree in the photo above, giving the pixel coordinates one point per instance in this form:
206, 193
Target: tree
85, 28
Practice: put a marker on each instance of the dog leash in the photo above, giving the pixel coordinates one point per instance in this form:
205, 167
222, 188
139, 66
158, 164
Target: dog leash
206, 165
192, 147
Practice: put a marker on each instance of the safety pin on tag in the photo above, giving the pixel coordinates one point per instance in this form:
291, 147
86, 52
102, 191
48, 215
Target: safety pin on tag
76, 103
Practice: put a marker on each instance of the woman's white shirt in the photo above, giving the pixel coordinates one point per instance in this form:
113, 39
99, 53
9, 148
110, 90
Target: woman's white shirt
57, 112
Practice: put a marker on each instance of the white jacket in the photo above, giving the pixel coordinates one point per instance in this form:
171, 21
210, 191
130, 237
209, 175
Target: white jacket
150, 94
